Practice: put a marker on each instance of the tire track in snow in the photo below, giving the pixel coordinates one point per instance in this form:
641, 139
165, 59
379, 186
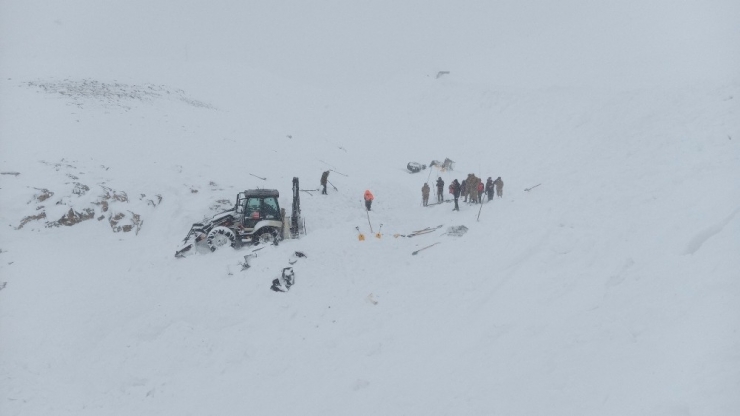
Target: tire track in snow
698, 240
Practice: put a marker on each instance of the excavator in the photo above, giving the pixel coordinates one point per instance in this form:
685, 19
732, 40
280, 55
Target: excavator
256, 218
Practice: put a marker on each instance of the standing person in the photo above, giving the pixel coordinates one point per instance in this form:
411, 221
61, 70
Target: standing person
480, 191
499, 187
368, 199
455, 191
324, 180
472, 188
489, 188
440, 189
425, 194
464, 189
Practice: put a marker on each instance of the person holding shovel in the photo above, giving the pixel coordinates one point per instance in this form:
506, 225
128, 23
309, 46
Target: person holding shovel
324, 180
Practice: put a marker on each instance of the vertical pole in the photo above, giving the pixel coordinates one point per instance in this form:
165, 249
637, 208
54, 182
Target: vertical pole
368, 220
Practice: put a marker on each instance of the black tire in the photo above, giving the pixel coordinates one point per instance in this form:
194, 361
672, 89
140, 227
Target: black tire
267, 235
219, 237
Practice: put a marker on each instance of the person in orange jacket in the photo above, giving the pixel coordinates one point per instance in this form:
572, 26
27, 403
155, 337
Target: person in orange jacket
368, 199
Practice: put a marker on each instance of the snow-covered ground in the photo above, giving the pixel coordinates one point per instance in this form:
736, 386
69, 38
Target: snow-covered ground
612, 288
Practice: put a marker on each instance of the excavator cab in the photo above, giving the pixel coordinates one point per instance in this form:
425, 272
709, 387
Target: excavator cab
255, 206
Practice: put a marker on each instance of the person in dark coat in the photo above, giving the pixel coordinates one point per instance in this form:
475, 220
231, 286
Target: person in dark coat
440, 189
489, 188
455, 188
464, 190
324, 180
425, 194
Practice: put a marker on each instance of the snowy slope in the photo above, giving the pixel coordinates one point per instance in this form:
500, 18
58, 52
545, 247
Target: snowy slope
612, 288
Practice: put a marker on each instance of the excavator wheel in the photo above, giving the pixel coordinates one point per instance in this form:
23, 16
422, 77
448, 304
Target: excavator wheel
267, 235
219, 237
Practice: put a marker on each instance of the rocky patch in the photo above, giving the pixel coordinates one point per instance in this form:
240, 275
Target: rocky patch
30, 218
73, 217
84, 92
71, 203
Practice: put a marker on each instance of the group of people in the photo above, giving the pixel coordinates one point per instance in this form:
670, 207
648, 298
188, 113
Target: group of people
471, 188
